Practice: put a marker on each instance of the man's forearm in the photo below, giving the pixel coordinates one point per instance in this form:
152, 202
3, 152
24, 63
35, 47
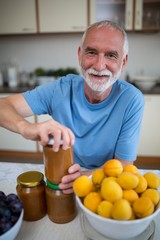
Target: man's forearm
9, 117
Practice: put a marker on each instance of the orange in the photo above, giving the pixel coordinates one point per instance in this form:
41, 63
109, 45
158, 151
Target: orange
153, 194
92, 200
121, 210
97, 177
153, 180
104, 209
82, 186
130, 168
130, 195
111, 191
143, 207
142, 185
128, 180
113, 168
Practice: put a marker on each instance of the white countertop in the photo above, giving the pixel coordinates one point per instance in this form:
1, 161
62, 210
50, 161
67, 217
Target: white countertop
45, 229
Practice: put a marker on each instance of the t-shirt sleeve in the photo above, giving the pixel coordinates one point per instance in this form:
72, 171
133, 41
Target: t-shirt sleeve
41, 99
127, 144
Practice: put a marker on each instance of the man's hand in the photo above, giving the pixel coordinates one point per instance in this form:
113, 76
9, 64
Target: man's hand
43, 131
67, 181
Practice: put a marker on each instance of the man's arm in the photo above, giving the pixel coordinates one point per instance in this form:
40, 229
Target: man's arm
14, 109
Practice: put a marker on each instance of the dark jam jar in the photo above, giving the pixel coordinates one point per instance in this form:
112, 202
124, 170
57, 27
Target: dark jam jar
31, 191
56, 163
61, 208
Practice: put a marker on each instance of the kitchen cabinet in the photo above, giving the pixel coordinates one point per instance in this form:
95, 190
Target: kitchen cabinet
150, 15
138, 15
111, 10
17, 16
10, 141
62, 16
150, 133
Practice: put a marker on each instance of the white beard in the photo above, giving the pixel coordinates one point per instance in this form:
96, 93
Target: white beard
100, 85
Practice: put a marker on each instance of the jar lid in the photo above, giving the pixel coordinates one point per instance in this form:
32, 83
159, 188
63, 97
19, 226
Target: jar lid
30, 178
51, 185
51, 141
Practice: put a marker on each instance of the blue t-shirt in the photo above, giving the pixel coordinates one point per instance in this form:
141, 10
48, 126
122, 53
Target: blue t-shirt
102, 131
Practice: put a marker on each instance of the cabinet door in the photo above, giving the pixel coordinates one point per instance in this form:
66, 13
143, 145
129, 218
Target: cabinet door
150, 132
14, 142
147, 15
111, 10
151, 15
129, 10
17, 16
138, 14
62, 16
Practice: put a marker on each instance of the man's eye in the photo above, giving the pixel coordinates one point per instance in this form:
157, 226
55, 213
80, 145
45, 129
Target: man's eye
112, 55
91, 53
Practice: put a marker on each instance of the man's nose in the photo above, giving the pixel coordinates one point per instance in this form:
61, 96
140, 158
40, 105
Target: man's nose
100, 63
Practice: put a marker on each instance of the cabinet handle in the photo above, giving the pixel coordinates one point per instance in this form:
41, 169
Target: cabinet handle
128, 18
78, 27
137, 18
27, 29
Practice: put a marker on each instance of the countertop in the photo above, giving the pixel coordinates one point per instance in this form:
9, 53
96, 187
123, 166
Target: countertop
19, 89
44, 228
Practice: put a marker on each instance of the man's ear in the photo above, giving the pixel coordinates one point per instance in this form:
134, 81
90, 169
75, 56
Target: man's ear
79, 55
125, 60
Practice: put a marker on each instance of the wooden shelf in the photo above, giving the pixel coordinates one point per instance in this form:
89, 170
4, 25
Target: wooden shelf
147, 162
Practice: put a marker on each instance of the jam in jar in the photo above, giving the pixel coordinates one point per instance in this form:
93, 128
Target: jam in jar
31, 191
61, 208
56, 163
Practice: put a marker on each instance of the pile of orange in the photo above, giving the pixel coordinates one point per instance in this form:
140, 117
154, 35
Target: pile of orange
118, 192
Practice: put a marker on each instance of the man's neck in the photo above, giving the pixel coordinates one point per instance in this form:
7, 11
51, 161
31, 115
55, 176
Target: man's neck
94, 96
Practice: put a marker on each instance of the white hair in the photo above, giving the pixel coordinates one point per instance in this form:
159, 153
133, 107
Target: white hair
111, 25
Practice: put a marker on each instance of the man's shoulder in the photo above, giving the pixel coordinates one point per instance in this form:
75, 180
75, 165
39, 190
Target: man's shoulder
130, 93
126, 86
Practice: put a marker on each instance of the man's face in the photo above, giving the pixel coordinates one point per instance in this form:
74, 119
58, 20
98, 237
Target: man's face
101, 58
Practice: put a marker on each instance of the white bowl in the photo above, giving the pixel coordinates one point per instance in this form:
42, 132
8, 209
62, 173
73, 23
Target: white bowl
145, 82
145, 78
116, 229
145, 85
14, 230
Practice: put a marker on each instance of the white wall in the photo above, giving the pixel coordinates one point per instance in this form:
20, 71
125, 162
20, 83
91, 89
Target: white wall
60, 50
144, 53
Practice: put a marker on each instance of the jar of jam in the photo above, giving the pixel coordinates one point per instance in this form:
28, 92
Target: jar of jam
31, 191
61, 208
56, 163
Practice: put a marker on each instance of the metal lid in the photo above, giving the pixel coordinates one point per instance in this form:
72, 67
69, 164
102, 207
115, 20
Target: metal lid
30, 178
51, 141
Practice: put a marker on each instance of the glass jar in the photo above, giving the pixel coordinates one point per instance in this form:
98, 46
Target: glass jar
56, 163
31, 191
61, 208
